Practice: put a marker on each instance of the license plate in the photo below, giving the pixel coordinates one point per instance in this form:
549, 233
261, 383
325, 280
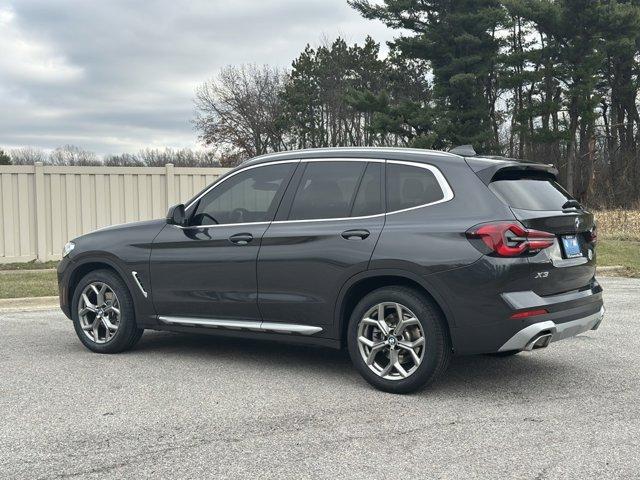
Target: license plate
571, 246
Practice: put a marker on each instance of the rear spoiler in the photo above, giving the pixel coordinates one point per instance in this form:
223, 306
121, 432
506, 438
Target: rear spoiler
488, 169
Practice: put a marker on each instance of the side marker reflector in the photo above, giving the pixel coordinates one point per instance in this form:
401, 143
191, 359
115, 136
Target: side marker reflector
529, 313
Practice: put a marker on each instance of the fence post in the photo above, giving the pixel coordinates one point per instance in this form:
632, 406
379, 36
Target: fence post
171, 184
41, 221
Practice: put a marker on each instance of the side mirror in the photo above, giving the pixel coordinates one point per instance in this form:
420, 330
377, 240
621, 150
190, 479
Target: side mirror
177, 215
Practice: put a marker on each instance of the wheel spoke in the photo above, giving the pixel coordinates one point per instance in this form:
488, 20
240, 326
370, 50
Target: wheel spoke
95, 331
374, 352
404, 323
393, 359
87, 302
418, 342
382, 325
113, 309
401, 370
414, 355
108, 325
87, 327
366, 341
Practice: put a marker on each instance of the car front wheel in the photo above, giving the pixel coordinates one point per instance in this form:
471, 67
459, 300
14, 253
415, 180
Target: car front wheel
398, 340
103, 313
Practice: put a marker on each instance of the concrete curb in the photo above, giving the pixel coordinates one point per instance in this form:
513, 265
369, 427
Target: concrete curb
611, 271
26, 270
8, 305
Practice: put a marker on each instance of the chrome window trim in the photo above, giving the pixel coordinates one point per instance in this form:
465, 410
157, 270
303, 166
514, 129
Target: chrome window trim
440, 178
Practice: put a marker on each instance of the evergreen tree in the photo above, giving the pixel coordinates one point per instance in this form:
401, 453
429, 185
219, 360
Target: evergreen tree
4, 158
459, 41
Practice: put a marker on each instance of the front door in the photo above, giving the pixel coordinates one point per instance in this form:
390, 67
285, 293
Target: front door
207, 269
333, 218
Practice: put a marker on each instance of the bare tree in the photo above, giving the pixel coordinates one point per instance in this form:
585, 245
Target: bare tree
153, 157
123, 160
239, 112
73, 156
27, 156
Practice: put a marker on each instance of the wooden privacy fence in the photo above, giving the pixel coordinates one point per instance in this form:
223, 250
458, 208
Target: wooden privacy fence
42, 207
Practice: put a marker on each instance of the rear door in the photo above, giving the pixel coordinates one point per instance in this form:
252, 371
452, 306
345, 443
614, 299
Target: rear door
540, 203
324, 233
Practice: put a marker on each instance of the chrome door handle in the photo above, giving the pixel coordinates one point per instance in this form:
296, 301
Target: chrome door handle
241, 238
356, 234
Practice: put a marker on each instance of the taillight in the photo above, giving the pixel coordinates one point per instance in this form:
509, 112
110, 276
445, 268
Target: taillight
510, 239
592, 235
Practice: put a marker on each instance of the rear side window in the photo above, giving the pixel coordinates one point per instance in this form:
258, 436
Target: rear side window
409, 186
530, 193
326, 190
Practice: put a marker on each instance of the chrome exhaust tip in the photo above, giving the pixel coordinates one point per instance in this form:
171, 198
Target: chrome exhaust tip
539, 341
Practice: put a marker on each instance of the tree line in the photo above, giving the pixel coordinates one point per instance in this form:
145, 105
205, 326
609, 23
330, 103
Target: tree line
552, 81
71, 155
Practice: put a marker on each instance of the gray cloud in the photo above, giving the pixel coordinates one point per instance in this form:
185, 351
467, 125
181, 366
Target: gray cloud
119, 75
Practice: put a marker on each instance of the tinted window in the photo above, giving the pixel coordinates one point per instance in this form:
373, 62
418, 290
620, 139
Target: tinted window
369, 198
326, 190
409, 186
248, 196
530, 194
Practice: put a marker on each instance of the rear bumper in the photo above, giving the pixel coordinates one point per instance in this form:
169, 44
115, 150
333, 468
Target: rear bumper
540, 334
490, 327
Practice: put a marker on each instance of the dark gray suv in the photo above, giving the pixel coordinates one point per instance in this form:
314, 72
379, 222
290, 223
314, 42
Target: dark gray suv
404, 256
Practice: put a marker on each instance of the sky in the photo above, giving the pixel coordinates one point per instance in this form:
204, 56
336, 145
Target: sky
117, 76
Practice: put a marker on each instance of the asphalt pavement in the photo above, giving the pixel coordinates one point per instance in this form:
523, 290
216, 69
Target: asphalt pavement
186, 406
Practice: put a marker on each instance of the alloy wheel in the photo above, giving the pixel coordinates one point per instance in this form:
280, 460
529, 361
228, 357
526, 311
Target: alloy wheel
99, 312
391, 341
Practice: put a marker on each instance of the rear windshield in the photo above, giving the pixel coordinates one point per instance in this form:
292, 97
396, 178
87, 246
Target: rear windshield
530, 193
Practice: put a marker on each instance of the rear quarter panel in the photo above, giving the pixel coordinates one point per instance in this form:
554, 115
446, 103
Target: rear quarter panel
430, 242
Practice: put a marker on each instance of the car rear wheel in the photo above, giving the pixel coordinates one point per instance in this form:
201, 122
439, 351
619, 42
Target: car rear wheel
103, 313
398, 340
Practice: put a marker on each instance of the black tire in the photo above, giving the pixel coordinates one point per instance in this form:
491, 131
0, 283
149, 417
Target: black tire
437, 351
128, 333
509, 353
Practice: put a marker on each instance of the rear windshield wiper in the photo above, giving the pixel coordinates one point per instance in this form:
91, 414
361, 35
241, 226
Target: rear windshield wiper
571, 204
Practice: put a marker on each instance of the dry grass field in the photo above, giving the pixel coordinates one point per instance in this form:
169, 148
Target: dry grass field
619, 239
618, 224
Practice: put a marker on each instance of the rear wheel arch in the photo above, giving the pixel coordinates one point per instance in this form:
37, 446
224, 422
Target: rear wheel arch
359, 286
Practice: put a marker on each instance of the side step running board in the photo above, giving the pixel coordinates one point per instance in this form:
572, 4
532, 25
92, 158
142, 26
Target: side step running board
242, 325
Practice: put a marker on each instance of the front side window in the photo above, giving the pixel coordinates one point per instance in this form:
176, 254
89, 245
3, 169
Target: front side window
249, 196
326, 190
409, 186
